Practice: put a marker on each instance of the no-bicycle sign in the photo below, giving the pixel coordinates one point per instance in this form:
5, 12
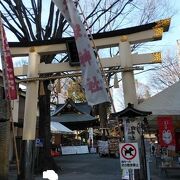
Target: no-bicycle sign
129, 156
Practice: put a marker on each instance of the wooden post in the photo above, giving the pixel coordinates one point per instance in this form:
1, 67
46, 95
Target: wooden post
103, 119
14, 118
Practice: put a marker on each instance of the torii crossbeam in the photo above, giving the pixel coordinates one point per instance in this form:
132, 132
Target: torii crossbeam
122, 38
138, 34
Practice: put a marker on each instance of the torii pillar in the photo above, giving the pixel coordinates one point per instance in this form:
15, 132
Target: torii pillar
128, 82
30, 116
129, 88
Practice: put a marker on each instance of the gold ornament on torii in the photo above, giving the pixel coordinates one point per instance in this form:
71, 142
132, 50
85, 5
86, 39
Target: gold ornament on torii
123, 38
157, 57
158, 32
163, 23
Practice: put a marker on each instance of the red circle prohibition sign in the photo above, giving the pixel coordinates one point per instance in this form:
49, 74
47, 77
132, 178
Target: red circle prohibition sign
130, 150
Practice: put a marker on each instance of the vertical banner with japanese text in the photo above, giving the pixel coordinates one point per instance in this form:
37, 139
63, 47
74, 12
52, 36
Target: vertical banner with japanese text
93, 82
7, 66
166, 131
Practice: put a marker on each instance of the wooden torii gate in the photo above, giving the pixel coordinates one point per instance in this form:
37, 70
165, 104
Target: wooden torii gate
123, 38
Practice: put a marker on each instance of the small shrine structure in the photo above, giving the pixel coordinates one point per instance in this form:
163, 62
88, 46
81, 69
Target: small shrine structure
76, 116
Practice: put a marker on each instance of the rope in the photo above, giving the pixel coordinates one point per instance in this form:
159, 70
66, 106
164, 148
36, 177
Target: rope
47, 78
74, 75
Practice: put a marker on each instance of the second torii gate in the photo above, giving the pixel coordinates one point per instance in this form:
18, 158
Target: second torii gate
126, 60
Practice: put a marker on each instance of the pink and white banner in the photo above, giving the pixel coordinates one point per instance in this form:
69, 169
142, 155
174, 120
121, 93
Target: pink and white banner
7, 67
93, 82
166, 131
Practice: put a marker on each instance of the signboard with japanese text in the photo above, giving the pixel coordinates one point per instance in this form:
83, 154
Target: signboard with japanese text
74, 150
129, 156
132, 131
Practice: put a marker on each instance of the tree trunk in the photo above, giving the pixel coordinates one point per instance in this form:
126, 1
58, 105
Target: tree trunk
44, 159
4, 150
4, 141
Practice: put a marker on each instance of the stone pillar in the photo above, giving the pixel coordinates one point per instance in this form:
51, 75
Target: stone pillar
128, 82
30, 116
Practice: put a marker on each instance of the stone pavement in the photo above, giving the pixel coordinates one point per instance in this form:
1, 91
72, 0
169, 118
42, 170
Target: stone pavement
13, 175
92, 167
157, 174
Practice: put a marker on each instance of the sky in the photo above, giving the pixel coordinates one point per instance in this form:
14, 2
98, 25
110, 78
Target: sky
168, 42
169, 39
